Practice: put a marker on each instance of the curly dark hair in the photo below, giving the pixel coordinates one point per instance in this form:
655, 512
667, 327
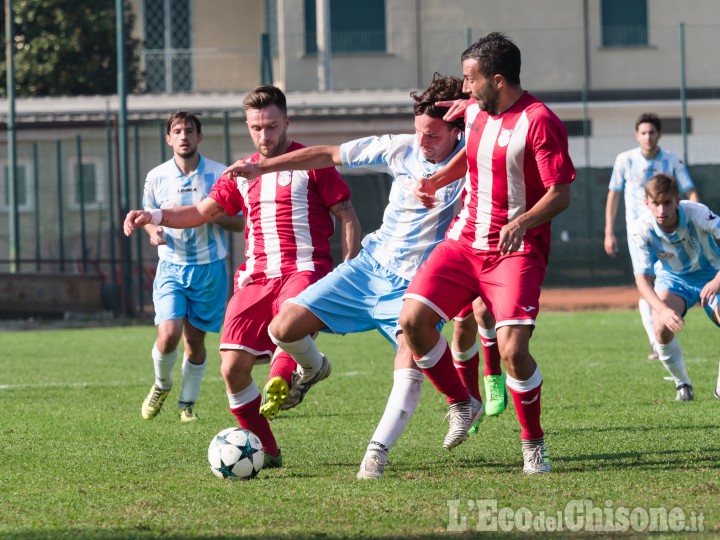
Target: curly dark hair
442, 88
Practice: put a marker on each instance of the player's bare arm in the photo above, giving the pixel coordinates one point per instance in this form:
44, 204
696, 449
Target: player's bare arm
670, 318
231, 223
611, 209
181, 217
349, 225
710, 291
692, 195
456, 108
303, 159
455, 170
555, 200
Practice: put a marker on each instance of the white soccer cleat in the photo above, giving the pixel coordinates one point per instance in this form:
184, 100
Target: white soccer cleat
461, 417
373, 465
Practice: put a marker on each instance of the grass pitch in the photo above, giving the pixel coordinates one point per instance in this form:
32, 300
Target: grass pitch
77, 461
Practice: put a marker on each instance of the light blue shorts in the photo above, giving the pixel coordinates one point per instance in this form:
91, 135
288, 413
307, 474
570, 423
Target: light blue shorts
195, 291
357, 296
687, 287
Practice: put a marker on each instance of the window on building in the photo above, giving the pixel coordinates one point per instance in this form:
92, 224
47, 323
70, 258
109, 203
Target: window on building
168, 46
576, 128
624, 23
354, 26
23, 172
673, 126
90, 191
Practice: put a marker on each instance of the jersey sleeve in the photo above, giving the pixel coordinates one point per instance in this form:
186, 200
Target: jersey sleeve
227, 195
706, 219
644, 260
330, 185
682, 176
550, 144
149, 202
617, 179
369, 152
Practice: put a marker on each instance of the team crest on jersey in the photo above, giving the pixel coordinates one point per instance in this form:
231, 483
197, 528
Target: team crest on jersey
284, 179
504, 138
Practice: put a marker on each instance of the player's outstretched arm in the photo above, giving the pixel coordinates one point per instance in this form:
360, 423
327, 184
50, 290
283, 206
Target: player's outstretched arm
349, 225
181, 217
303, 159
456, 108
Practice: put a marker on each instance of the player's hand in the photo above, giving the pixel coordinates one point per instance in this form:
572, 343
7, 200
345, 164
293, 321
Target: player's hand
709, 291
424, 190
157, 236
457, 108
136, 219
611, 245
672, 320
511, 237
246, 169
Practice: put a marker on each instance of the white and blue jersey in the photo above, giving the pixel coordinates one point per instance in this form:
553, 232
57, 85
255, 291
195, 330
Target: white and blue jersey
409, 231
632, 170
691, 248
688, 258
167, 187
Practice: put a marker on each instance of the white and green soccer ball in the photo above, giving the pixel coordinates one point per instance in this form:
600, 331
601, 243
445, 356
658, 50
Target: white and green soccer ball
236, 454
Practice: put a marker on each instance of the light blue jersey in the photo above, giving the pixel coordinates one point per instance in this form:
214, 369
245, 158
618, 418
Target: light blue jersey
691, 248
409, 231
632, 171
167, 187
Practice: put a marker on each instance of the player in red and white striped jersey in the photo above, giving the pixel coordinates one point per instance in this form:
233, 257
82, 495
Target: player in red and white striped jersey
498, 246
289, 221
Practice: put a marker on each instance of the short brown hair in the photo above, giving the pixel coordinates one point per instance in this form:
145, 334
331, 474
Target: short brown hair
660, 185
184, 117
441, 89
265, 96
649, 118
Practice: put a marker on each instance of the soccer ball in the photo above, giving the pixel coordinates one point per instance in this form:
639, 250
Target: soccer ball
236, 454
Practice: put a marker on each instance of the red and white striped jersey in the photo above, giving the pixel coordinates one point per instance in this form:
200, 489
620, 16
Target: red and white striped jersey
288, 224
513, 157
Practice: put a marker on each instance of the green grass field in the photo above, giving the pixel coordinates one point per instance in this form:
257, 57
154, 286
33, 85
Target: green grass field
77, 461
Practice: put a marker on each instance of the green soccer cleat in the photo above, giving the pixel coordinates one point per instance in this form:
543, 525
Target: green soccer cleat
154, 402
475, 428
274, 395
187, 414
495, 394
273, 462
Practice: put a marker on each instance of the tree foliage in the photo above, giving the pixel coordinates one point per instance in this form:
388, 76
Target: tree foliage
68, 48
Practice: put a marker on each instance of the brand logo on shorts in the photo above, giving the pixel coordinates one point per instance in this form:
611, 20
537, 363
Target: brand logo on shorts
528, 309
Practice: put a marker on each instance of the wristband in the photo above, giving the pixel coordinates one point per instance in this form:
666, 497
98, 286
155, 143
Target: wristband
156, 216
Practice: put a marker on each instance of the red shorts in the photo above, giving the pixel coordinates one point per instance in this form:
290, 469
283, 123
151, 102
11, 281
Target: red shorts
252, 307
455, 274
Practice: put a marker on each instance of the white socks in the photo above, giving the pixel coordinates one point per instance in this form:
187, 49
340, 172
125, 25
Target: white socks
304, 352
400, 407
192, 376
244, 396
647, 320
717, 387
163, 367
533, 382
464, 356
671, 356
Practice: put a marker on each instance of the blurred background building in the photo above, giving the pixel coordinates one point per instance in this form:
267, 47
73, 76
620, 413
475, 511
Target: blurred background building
348, 69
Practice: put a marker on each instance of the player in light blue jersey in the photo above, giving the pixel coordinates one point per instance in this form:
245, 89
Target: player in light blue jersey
676, 244
631, 172
365, 293
191, 282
